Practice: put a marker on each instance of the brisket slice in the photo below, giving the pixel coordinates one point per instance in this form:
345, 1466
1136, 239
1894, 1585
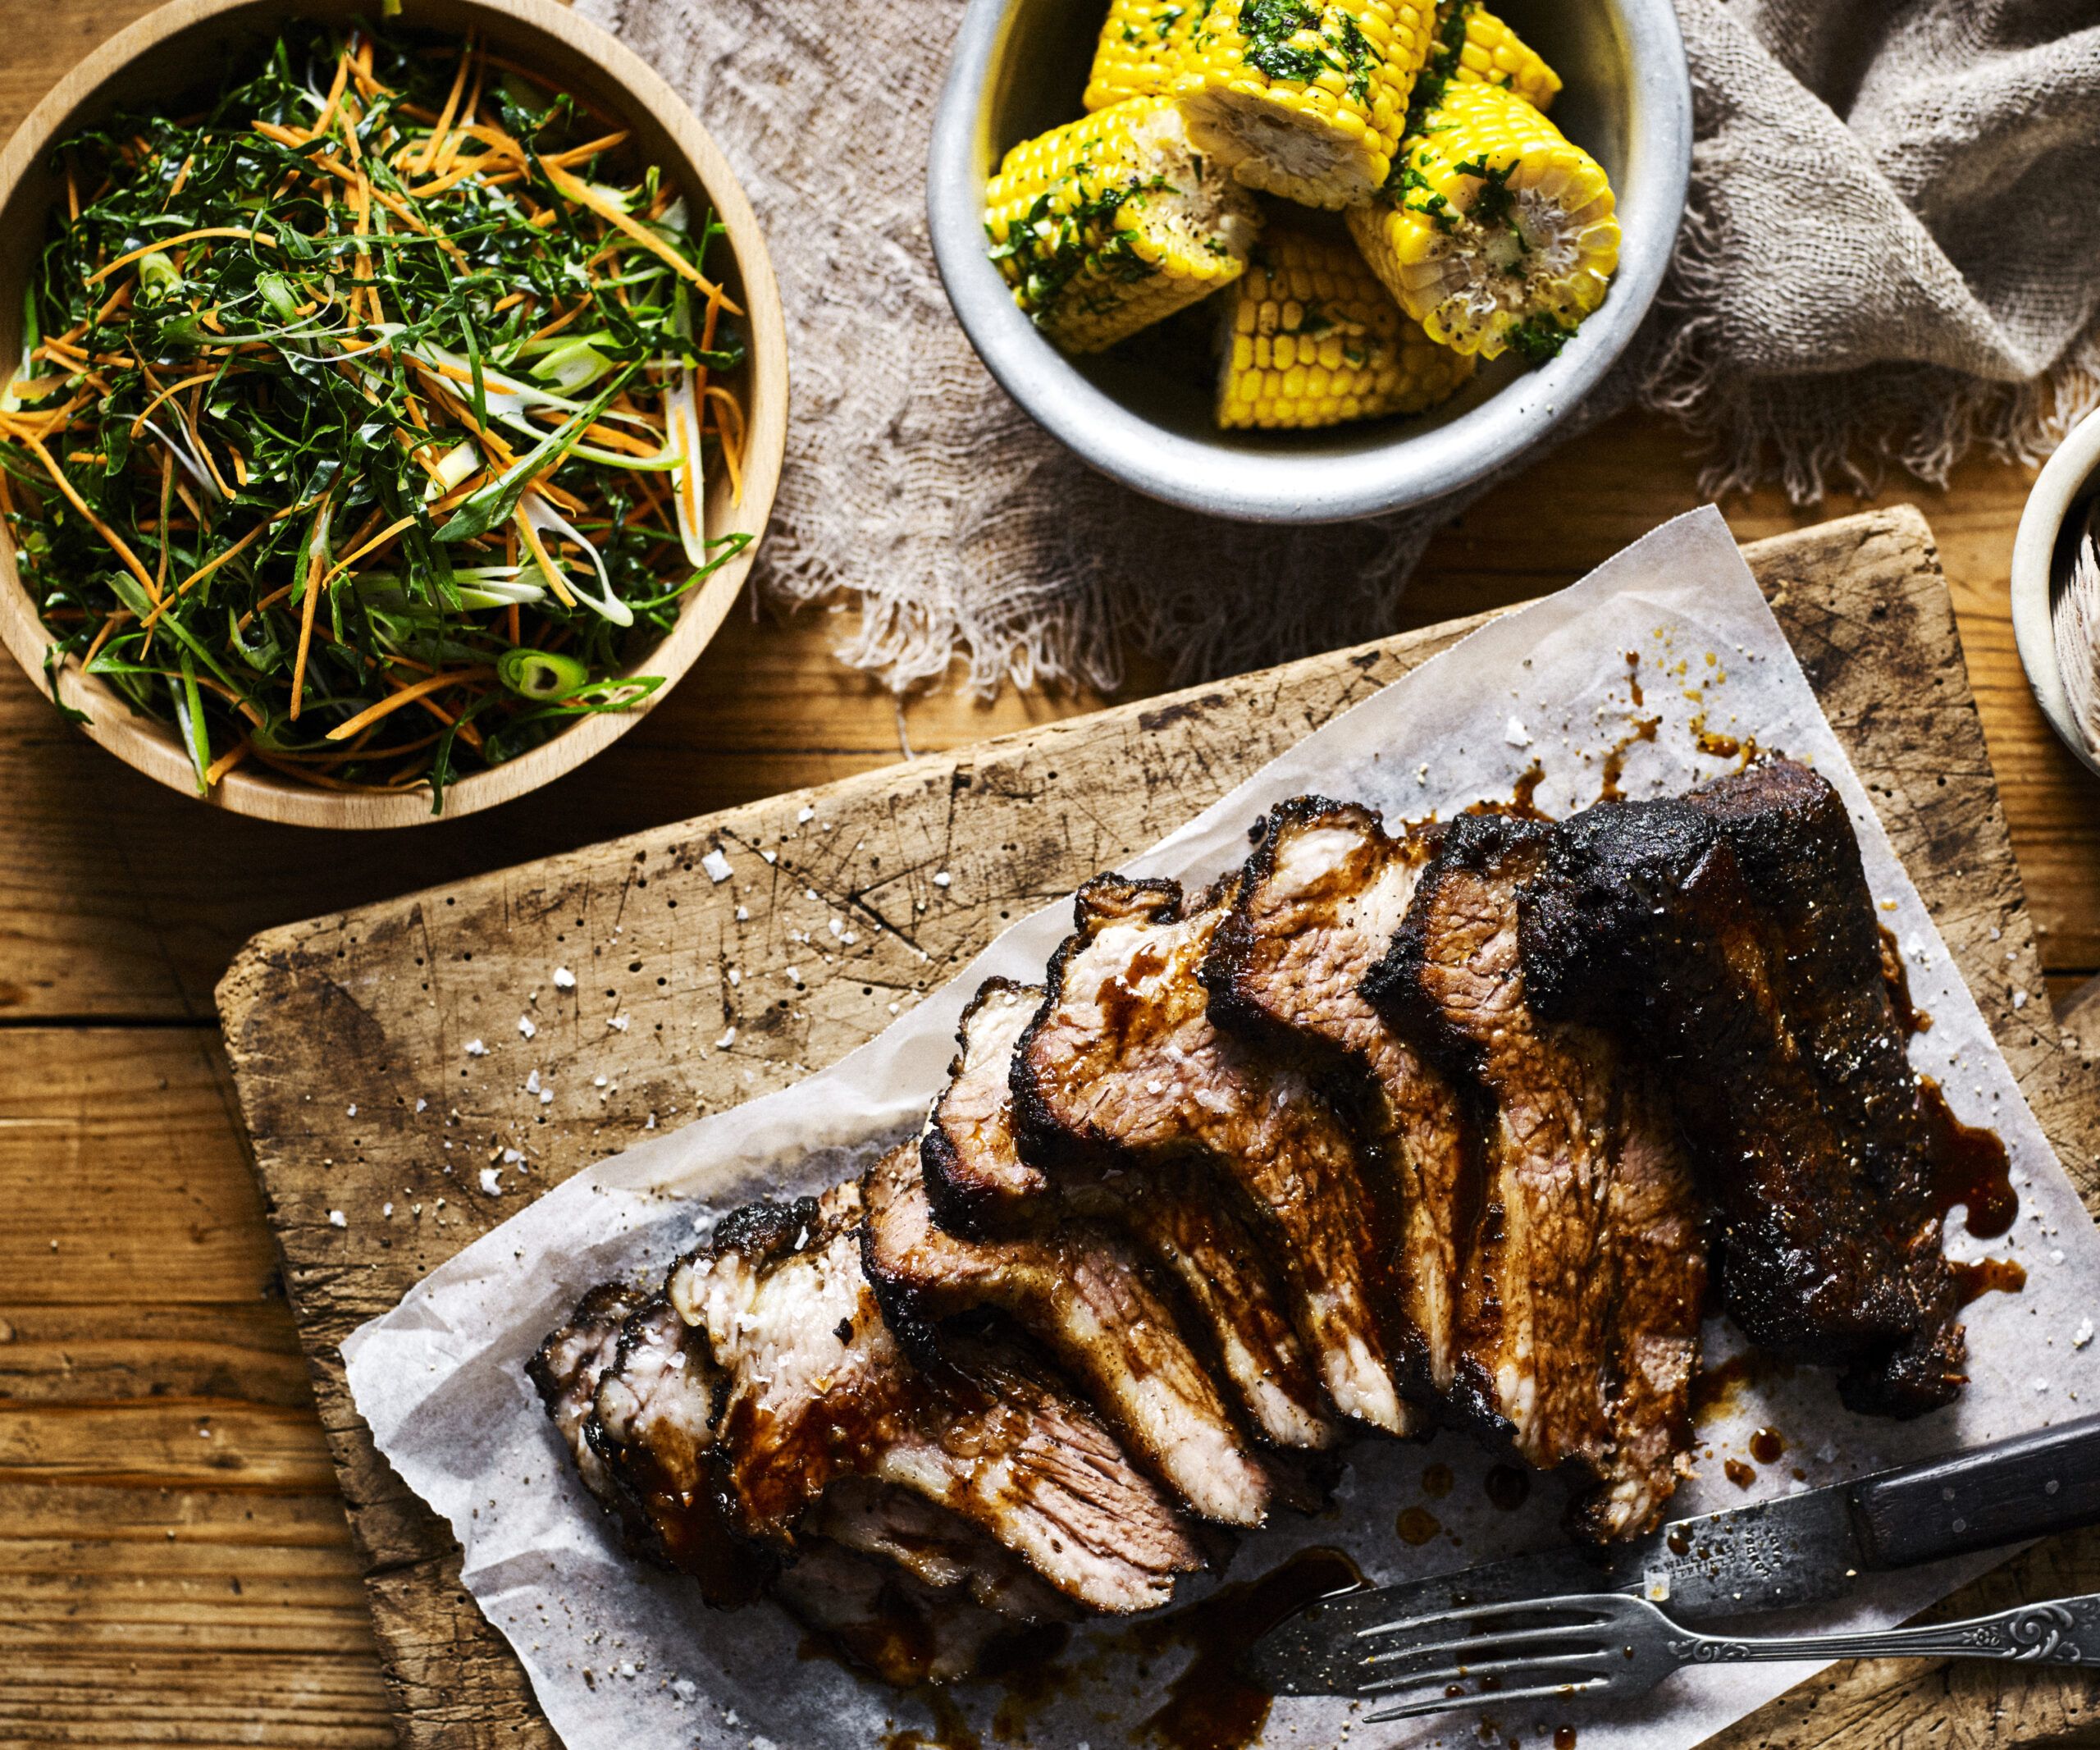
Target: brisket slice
1734, 927
1079, 1288
817, 1391
1123, 1065
903, 1586
650, 1426
1317, 907
1174, 1217
1579, 1296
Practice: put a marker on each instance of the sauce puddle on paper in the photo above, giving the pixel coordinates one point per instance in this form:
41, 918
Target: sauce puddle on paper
1209, 1706
1970, 1167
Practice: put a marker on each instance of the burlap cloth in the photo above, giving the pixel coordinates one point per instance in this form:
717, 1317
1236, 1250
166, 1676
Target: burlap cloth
1892, 253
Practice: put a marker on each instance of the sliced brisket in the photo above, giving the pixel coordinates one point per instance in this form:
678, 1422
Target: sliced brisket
1174, 1217
1122, 1065
1317, 907
1735, 928
1575, 1333
1078, 1287
817, 1390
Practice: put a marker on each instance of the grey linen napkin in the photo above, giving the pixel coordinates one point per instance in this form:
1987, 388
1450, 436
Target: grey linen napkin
1892, 251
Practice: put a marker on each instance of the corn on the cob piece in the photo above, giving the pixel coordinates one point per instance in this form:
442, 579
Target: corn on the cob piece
1475, 47
1494, 232
1306, 99
1313, 339
1141, 50
1107, 224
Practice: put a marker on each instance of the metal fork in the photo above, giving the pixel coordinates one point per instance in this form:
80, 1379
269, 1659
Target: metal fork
1612, 1644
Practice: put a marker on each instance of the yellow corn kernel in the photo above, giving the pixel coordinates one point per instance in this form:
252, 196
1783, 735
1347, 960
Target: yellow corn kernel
1306, 99
1475, 47
1314, 339
1141, 50
1107, 224
1495, 232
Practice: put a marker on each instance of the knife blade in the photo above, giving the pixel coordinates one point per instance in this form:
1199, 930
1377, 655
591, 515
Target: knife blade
1793, 1550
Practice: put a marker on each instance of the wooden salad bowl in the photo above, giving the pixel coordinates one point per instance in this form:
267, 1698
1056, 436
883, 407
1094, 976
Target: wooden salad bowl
186, 42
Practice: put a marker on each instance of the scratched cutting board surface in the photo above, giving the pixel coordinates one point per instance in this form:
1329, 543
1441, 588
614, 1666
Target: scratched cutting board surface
348, 1036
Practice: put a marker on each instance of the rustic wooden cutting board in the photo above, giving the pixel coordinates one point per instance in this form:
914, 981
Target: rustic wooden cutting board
372, 1121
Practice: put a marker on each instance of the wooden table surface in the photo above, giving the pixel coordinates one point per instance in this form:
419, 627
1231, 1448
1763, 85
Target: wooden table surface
174, 1564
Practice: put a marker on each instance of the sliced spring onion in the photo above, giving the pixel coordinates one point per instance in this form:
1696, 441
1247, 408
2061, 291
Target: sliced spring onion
540, 674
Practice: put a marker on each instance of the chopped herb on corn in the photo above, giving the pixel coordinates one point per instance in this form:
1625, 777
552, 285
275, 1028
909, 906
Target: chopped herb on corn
1304, 99
1475, 47
1313, 338
1140, 50
1495, 232
1107, 224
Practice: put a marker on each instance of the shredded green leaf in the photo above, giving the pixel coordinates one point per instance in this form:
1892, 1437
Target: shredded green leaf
300, 341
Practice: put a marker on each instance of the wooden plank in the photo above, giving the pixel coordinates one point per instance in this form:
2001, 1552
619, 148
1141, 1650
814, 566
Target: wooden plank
134, 1122
383, 1001
175, 1565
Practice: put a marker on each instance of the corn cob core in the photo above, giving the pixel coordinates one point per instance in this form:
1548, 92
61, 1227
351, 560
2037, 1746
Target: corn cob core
1107, 224
1313, 340
1496, 232
1140, 50
1479, 49
1304, 99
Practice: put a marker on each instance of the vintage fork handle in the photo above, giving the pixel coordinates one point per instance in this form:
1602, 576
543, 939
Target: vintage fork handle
2064, 1631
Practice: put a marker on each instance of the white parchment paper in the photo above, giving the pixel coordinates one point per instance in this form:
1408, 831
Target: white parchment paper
626, 1658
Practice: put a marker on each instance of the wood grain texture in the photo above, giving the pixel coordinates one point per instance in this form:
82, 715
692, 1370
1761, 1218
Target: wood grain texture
377, 1006
185, 43
175, 1566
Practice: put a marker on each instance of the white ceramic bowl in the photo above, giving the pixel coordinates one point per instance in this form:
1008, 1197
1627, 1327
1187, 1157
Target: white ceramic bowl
2071, 472
1018, 69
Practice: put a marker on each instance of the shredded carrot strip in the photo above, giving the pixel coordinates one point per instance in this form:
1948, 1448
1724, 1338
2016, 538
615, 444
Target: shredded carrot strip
138, 424
187, 237
612, 215
196, 577
379, 540
409, 696
444, 123
101, 529
589, 149
226, 761
732, 443
334, 95
317, 556
115, 623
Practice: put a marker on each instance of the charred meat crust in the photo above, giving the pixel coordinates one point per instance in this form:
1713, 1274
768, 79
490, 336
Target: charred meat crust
565, 1371
1122, 1065
1473, 843
1203, 1257
1576, 1330
1764, 999
973, 1189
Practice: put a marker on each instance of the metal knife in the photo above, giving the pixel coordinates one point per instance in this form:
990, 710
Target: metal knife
1794, 1550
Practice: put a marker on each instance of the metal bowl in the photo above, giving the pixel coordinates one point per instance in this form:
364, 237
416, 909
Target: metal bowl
1018, 71
2070, 473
